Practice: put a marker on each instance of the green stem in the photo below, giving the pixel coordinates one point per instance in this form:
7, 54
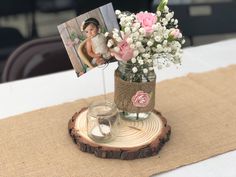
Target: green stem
137, 116
146, 77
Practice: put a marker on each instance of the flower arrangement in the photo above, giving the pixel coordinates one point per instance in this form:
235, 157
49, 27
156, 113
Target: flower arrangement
147, 40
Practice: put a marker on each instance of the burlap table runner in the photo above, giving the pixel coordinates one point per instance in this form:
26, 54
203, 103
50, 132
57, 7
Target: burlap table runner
200, 109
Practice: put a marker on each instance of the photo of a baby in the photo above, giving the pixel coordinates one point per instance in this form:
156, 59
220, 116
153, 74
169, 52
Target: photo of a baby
85, 38
96, 43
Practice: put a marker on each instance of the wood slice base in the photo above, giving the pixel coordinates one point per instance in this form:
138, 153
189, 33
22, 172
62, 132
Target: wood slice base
136, 139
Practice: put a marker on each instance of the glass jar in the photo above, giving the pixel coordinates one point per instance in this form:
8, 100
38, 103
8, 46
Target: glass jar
102, 121
134, 92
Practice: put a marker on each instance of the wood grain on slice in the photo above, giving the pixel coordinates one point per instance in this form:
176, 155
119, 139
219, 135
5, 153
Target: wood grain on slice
135, 139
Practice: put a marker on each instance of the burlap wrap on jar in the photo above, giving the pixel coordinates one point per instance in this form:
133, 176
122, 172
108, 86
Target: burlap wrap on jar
125, 90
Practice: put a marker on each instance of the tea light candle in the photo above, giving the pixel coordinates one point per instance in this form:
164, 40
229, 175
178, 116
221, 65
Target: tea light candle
101, 131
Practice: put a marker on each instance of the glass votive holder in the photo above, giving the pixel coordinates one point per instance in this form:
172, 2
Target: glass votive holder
102, 121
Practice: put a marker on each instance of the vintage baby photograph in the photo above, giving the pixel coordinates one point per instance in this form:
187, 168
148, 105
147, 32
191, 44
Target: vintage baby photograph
85, 38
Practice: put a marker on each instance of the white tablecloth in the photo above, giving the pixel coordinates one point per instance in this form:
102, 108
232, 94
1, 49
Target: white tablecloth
30, 94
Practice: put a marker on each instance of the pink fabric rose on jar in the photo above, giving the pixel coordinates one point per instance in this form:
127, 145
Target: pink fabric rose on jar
140, 99
147, 20
124, 52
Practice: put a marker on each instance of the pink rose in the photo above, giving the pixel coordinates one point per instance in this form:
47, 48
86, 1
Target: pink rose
147, 20
125, 52
140, 99
175, 33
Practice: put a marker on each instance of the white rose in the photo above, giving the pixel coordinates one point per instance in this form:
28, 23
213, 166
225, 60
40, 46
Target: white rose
155, 27
123, 19
136, 35
149, 61
169, 15
157, 38
139, 58
159, 48
135, 53
165, 42
164, 21
142, 50
141, 62
127, 30
175, 22
116, 49
138, 44
132, 46
165, 49
133, 29
118, 39
134, 69
159, 25
177, 44
129, 19
169, 49
117, 12
149, 43
147, 55
133, 60
145, 70
122, 23
166, 35
129, 40
136, 25
140, 38
115, 35
106, 34
110, 43
120, 16
142, 30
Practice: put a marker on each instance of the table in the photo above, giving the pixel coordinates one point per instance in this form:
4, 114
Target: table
26, 95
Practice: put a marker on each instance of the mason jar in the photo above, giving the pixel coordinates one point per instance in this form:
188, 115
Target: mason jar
102, 121
134, 92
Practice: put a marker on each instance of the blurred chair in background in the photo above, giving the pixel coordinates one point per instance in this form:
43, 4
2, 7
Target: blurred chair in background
205, 18
52, 6
83, 6
36, 57
25, 7
10, 38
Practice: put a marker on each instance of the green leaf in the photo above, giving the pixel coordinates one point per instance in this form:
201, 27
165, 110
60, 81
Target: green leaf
73, 35
162, 4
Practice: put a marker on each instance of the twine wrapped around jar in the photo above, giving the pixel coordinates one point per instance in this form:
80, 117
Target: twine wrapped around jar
126, 90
